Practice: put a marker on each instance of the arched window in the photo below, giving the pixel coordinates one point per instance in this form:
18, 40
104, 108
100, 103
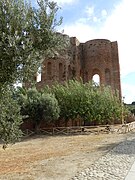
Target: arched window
107, 77
49, 70
60, 71
96, 79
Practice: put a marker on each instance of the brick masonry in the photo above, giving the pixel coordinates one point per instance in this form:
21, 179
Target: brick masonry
98, 56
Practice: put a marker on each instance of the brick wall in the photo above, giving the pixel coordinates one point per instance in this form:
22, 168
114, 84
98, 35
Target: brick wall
98, 56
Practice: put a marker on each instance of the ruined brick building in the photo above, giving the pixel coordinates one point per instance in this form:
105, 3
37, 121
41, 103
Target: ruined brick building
98, 56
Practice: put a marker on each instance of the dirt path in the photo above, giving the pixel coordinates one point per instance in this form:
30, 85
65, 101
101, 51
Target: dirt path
54, 158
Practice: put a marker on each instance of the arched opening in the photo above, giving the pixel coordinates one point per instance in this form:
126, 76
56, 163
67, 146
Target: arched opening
107, 77
96, 79
49, 70
60, 71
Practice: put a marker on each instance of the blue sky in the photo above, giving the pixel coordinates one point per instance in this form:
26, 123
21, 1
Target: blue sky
105, 19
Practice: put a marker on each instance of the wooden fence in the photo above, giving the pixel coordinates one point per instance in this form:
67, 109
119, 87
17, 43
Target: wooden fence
121, 128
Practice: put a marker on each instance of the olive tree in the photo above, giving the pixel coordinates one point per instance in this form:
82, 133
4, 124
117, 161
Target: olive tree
27, 36
38, 107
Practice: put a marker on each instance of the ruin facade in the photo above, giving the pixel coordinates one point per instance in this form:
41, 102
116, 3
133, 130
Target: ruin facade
98, 56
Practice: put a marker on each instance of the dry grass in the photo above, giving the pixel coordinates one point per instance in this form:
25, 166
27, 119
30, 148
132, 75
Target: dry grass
25, 157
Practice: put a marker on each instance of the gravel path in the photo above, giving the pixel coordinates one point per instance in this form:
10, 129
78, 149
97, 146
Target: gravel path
112, 166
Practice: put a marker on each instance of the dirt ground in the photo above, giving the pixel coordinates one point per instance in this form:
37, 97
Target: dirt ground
55, 157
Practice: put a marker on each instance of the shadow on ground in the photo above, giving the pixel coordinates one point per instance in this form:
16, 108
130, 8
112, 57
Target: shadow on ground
125, 146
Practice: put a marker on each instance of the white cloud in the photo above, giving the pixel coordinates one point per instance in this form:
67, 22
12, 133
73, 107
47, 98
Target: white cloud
92, 16
82, 21
64, 2
96, 20
90, 11
119, 26
103, 13
82, 31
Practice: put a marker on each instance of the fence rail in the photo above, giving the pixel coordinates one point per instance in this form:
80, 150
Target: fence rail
123, 128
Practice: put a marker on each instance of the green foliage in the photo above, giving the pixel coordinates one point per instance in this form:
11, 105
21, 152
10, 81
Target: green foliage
27, 35
72, 100
10, 118
87, 101
38, 107
131, 107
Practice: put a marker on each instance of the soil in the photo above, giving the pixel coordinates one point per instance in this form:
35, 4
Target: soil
55, 157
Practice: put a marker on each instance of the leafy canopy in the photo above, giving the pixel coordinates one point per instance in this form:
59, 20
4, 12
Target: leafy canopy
38, 107
87, 101
26, 36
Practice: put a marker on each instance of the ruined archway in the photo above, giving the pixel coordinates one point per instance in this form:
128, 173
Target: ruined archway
96, 79
96, 76
98, 56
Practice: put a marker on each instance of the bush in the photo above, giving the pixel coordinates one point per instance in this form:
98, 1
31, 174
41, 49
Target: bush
39, 107
87, 101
